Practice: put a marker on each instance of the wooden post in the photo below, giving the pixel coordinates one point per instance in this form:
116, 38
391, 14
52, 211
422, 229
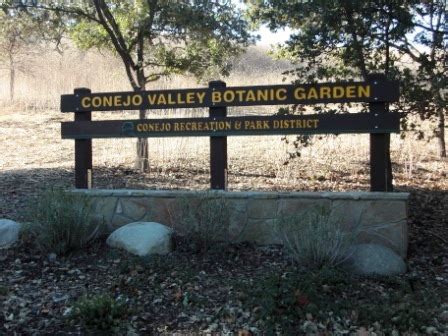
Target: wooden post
83, 150
380, 168
218, 147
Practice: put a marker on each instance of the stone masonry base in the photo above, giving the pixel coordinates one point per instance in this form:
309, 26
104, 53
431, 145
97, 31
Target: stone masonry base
382, 216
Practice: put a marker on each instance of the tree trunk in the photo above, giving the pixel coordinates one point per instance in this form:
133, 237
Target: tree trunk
441, 134
142, 161
12, 78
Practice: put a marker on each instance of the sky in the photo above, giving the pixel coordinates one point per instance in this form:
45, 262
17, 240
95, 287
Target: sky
268, 38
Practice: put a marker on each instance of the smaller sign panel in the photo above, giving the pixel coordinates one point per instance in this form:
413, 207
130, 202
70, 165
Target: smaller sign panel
343, 92
256, 125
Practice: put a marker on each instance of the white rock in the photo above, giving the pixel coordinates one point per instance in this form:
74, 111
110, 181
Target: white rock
9, 232
142, 238
374, 259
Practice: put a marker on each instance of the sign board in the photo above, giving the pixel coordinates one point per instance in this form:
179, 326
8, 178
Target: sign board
377, 91
224, 126
342, 92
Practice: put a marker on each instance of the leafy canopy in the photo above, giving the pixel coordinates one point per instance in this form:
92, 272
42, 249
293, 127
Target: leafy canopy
165, 36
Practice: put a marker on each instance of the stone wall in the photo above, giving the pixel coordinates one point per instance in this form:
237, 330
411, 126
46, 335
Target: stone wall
382, 217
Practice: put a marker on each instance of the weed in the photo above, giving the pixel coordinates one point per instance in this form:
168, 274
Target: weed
62, 222
315, 239
100, 312
203, 221
4, 291
285, 303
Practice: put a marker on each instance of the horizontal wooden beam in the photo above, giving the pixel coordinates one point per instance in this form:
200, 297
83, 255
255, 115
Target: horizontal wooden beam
224, 126
375, 90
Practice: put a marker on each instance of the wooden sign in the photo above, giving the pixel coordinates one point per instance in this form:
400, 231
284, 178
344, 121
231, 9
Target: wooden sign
342, 92
224, 126
377, 91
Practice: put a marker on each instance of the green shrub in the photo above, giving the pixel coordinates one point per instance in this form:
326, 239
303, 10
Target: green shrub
315, 239
61, 222
3, 291
203, 221
101, 312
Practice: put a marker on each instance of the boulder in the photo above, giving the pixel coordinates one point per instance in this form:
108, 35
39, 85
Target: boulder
374, 259
142, 238
9, 232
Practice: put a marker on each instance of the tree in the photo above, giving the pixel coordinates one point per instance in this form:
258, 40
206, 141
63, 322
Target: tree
427, 48
337, 40
156, 38
346, 38
18, 43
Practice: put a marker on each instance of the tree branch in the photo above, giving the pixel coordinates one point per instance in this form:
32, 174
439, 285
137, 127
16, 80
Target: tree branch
66, 10
122, 51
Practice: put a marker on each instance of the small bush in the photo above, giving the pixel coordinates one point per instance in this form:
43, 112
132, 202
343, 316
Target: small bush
203, 221
101, 312
315, 239
62, 222
3, 291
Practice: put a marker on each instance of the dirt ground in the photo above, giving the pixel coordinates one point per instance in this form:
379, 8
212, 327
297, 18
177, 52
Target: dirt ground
238, 289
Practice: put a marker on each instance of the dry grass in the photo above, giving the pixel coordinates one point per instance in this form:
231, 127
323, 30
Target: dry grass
30, 132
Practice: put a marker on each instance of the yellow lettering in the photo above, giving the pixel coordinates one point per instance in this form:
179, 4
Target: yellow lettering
85, 102
201, 96
179, 99
96, 101
216, 97
117, 100
240, 94
262, 95
137, 100
280, 94
161, 100
325, 92
250, 96
229, 96
171, 101
312, 93
189, 98
338, 92
127, 102
364, 91
152, 98
350, 91
299, 93
107, 101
